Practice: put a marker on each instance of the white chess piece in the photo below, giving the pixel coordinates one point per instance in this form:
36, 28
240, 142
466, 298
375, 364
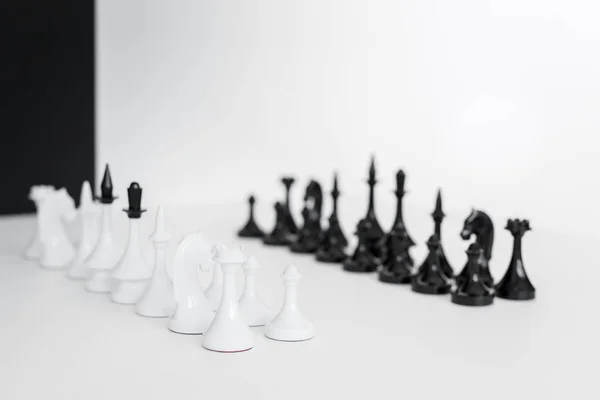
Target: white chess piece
193, 313
158, 300
88, 217
36, 194
228, 332
57, 249
133, 272
289, 325
215, 290
106, 253
253, 310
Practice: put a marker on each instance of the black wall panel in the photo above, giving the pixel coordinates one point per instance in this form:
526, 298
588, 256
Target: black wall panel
47, 97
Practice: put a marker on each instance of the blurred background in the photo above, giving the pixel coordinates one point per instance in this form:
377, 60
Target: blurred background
203, 102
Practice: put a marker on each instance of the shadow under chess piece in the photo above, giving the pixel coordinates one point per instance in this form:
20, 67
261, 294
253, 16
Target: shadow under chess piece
398, 267
472, 290
479, 224
515, 284
279, 236
370, 249
251, 229
310, 235
438, 216
332, 248
430, 279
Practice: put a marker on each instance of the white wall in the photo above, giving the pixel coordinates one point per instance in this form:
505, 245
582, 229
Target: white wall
497, 101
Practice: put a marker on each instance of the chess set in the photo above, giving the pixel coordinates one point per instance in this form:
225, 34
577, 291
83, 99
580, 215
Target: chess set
217, 313
388, 253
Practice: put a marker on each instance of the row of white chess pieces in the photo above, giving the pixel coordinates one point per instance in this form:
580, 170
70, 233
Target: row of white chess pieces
130, 279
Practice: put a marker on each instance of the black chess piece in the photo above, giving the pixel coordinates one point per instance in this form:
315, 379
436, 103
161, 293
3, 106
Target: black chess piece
106, 188
515, 284
333, 244
363, 259
309, 236
398, 227
279, 236
438, 216
398, 266
372, 238
134, 195
480, 224
290, 224
471, 290
251, 229
430, 278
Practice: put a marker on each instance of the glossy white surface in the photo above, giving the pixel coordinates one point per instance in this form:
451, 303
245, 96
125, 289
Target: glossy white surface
214, 291
55, 209
254, 311
58, 341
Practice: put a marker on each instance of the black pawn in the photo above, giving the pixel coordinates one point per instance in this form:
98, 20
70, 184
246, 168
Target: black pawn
472, 290
289, 222
370, 249
515, 284
333, 244
251, 229
279, 236
430, 279
134, 195
398, 266
106, 188
363, 259
438, 216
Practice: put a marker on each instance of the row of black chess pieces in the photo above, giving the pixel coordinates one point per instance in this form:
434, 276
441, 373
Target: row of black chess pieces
389, 253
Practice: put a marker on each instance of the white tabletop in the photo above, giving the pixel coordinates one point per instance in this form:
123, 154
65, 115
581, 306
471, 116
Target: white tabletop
373, 340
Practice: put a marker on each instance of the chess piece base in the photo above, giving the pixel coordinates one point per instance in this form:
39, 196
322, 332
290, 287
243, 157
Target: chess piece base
77, 272
353, 266
296, 334
276, 241
128, 292
99, 282
331, 257
191, 321
471, 300
302, 248
253, 312
394, 277
251, 232
420, 287
516, 295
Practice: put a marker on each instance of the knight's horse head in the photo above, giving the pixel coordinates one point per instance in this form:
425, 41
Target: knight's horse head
479, 224
314, 196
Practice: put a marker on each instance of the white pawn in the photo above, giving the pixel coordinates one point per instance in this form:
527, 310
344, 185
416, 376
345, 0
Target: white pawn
57, 250
106, 253
215, 290
88, 217
193, 313
36, 194
133, 272
228, 332
158, 300
289, 325
253, 310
